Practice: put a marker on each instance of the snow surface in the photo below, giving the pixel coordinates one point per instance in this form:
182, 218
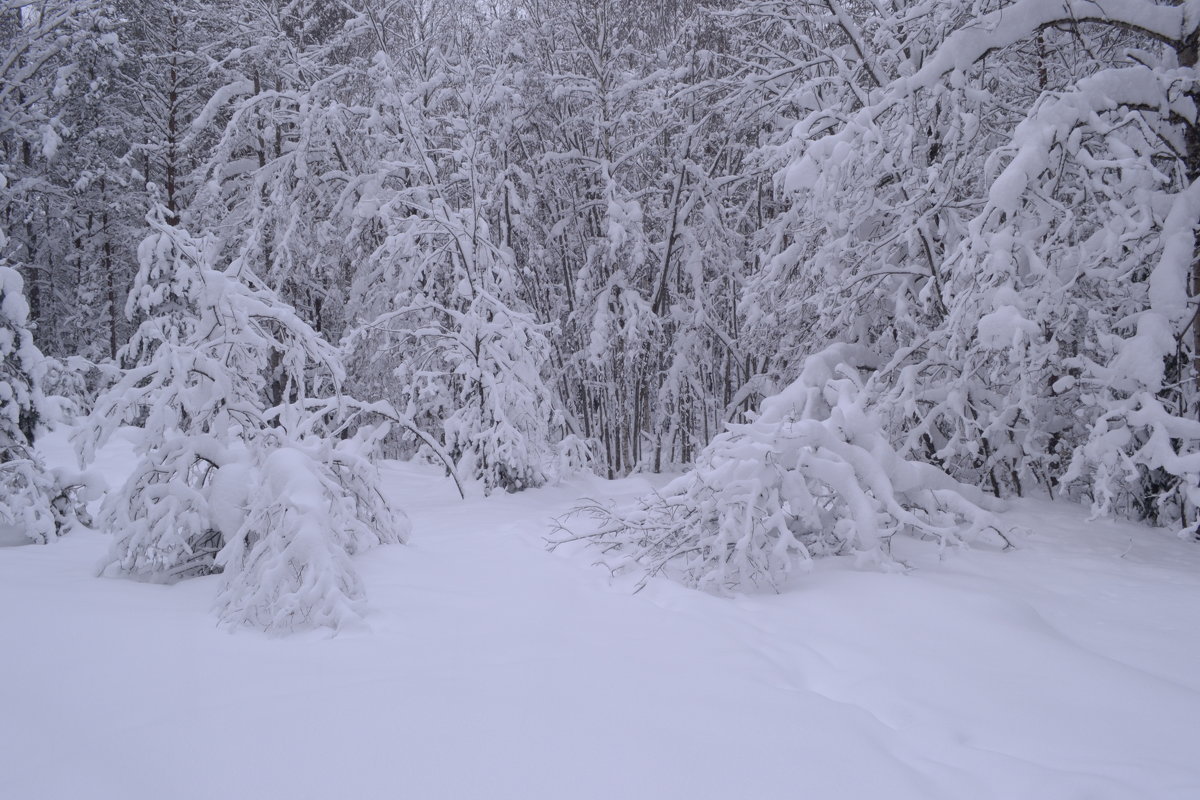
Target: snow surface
490, 668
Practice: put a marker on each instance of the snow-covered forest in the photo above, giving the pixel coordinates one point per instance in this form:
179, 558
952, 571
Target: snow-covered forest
673, 295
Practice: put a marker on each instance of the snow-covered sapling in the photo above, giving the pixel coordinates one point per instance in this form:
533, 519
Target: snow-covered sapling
235, 469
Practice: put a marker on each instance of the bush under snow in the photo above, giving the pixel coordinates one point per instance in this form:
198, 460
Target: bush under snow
813, 475
287, 564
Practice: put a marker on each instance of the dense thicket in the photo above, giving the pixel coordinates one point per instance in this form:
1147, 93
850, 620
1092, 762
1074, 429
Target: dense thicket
555, 234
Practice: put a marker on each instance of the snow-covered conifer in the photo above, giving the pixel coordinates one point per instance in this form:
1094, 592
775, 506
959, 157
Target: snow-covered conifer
222, 473
26, 489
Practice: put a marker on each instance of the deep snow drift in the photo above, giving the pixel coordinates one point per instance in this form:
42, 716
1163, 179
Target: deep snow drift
491, 668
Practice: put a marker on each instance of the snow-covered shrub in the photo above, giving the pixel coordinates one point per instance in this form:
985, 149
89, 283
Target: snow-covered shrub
308, 507
1142, 460
813, 475
25, 494
575, 455
227, 385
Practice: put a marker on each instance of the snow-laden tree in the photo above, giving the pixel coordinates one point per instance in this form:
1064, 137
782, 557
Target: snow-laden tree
45, 48
98, 219
223, 475
630, 215
993, 208
475, 372
864, 248
813, 475
286, 120
42, 46
998, 201
27, 490
596, 232
439, 293
95, 97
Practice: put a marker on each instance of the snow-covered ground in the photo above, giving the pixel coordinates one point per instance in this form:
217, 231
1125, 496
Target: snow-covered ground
491, 668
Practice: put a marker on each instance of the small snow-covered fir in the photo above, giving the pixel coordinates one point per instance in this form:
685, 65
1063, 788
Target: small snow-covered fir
27, 490
226, 481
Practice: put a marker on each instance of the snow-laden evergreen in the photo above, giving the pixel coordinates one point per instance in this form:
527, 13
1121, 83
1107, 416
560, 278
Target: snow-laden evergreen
221, 380
26, 489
